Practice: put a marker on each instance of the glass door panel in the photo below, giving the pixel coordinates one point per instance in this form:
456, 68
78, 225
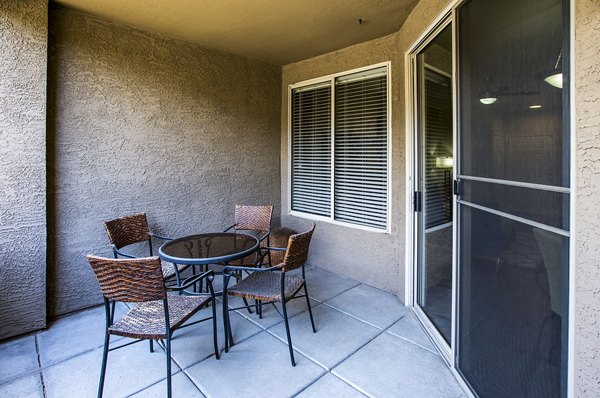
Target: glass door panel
513, 229
434, 191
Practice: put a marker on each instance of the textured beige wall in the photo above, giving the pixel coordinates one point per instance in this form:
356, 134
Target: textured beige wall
23, 47
142, 122
587, 227
374, 258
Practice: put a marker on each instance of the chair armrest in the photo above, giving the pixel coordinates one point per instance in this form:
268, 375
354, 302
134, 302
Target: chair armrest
152, 234
228, 268
265, 236
229, 228
276, 249
192, 280
120, 253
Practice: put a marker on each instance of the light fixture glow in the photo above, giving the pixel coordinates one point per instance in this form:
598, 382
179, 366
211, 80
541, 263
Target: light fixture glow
444, 162
535, 106
555, 80
488, 100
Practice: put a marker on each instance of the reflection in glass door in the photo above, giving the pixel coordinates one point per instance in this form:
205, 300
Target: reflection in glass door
513, 211
433, 196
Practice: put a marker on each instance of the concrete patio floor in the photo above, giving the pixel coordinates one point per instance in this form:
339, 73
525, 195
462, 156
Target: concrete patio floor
367, 344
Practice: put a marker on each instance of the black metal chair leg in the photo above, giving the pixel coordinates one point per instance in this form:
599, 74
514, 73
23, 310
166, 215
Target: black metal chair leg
151, 345
168, 366
287, 331
214, 322
312, 321
103, 369
177, 277
225, 313
112, 312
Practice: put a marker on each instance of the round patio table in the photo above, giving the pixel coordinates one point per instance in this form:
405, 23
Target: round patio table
209, 248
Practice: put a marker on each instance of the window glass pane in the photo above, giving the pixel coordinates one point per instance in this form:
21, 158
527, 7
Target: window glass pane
311, 150
511, 118
511, 306
361, 149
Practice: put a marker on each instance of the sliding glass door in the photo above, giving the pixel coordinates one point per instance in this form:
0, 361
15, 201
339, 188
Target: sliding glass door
513, 203
491, 210
433, 195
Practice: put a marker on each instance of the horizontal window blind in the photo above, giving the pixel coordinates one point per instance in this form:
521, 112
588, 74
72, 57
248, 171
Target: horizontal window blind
311, 150
361, 152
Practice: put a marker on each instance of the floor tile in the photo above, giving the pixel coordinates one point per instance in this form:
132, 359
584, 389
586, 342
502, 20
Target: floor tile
17, 357
398, 368
330, 386
129, 370
270, 315
371, 305
28, 386
338, 335
409, 328
258, 367
181, 386
323, 285
75, 334
192, 344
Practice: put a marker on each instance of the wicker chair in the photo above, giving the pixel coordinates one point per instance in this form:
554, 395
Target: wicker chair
255, 220
271, 284
155, 316
133, 229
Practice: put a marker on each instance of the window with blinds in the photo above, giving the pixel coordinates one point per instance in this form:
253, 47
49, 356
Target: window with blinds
311, 149
349, 181
361, 125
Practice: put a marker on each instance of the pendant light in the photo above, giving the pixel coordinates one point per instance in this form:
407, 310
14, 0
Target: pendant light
555, 76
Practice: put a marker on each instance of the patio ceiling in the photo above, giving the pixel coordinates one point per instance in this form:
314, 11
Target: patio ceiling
273, 31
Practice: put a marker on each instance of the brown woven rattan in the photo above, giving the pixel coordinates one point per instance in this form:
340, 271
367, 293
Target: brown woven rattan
129, 280
297, 250
147, 320
155, 316
256, 219
266, 286
279, 238
270, 285
127, 230
133, 229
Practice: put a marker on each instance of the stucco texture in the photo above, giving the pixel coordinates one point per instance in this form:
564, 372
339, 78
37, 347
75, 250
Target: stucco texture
374, 258
587, 227
141, 122
23, 45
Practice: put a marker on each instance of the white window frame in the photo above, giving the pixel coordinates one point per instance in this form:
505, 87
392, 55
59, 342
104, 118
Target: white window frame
331, 79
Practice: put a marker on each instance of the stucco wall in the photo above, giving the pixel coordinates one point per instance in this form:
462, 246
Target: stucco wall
587, 227
142, 122
23, 45
373, 258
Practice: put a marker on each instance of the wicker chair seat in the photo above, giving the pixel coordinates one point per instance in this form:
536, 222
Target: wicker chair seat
147, 320
266, 286
168, 269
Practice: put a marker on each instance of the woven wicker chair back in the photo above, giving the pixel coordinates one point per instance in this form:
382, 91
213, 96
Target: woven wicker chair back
297, 250
127, 230
257, 218
129, 280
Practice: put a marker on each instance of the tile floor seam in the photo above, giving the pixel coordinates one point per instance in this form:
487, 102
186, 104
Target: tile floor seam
39, 362
152, 384
359, 319
319, 378
354, 352
412, 342
332, 297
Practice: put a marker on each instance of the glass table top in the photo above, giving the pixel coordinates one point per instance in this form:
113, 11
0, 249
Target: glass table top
208, 248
